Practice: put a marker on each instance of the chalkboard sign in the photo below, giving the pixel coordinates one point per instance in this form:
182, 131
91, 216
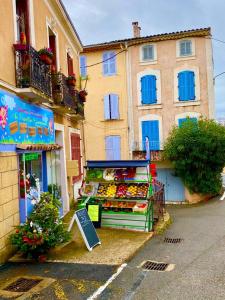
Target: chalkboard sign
86, 227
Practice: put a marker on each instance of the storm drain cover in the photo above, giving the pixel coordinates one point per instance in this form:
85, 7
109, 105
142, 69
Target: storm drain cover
22, 285
154, 266
172, 240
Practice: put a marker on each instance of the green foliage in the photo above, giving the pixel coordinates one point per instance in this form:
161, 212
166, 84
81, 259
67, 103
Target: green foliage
43, 230
197, 152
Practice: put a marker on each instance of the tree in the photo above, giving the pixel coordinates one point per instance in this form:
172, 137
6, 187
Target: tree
197, 152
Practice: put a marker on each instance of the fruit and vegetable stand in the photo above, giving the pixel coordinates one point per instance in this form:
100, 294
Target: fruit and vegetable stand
123, 190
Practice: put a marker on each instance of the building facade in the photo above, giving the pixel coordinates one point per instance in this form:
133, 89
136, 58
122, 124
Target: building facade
166, 78
41, 110
106, 124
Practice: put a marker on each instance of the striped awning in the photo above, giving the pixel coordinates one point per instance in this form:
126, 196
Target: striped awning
38, 147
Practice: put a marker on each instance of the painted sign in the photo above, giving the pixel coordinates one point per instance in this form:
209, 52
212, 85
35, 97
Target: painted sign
24, 123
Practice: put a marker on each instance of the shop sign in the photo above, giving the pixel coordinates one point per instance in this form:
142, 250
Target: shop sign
24, 123
30, 156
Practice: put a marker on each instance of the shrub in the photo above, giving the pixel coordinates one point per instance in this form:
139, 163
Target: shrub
197, 152
43, 229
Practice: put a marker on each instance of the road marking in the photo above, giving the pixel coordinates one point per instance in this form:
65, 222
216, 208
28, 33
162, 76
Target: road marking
110, 280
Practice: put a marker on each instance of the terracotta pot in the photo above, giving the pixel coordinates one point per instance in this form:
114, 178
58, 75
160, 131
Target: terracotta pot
42, 258
46, 59
82, 95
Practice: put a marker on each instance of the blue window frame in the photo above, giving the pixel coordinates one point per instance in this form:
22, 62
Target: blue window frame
186, 86
150, 129
112, 147
185, 48
182, 120
148, 89
109, 63
111, 107
83, 66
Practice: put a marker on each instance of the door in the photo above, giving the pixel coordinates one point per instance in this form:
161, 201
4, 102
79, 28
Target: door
174, 187
52, 46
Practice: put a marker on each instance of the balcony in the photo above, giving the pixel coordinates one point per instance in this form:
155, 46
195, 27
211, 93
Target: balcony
156, 151
33, 78
67, 99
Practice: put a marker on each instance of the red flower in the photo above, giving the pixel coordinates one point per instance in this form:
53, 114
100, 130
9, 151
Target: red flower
17, 231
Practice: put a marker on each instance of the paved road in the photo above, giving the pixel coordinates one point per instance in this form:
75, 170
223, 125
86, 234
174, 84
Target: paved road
199, 259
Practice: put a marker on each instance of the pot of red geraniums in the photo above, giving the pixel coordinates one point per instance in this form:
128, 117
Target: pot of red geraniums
46, 55
71, 80
42, 231
82, 95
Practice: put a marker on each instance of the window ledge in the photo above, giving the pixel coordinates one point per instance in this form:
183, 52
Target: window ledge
148, 62
188, 57
112, 120
187, 103
150, 106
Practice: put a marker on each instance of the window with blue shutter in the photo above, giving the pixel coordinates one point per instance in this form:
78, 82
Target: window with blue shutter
182, 120
148, 89
186, 85
112, 147
185, 48
111, 107
83, 66
109, 63
150, 129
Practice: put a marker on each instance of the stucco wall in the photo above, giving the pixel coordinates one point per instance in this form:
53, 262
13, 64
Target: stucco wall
9, 204
96, 128
167, 65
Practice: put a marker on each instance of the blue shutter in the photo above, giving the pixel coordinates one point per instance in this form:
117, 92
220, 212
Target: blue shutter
106, 107
182, 120
112, 144
116, 147
186, 85
151, 130
109, 147
112, 63
83, 64
105, 63
114, 105
148, 89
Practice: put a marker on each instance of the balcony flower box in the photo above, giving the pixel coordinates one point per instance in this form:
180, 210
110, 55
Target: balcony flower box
46, 55
82, 95
20, 47
71, 80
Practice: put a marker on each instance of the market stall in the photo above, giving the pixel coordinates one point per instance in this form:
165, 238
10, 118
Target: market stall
122, 189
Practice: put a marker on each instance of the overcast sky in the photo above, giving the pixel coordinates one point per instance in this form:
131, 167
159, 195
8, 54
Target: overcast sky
103, 20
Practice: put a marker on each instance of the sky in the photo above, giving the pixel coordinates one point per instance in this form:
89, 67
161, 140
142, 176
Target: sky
104, 20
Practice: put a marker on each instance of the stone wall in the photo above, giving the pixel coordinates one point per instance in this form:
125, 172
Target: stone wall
9, 203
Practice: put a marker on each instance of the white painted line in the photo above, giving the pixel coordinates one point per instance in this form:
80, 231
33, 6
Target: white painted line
110, 280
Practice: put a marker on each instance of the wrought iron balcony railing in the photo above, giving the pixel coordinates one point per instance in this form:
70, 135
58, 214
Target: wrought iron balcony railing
65, 95
153, 146
31, 71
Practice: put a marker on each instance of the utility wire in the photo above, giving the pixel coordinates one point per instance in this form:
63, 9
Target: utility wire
102, 61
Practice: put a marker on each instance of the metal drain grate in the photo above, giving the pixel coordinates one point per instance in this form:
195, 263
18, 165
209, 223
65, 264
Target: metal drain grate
172, 241
154, 266
22, 285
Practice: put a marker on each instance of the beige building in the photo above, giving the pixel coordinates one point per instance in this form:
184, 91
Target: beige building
161, 80
41, 109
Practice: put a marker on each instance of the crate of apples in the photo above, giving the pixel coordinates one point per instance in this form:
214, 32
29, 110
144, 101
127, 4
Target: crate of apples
132, 190
142, 190
121, 190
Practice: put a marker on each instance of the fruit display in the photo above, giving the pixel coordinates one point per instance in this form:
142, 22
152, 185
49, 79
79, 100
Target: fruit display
131, 190
140, 207
102, 190
121, 190
142, 190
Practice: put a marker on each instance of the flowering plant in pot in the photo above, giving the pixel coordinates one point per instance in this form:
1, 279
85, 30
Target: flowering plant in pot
46, 55
71, 80
42, 231
82, 95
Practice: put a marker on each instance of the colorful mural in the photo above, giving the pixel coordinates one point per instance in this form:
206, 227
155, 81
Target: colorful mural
24, 123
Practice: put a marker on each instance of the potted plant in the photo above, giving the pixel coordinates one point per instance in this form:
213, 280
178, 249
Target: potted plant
42, 231
24, 82
46, 55
71, 80
82, 95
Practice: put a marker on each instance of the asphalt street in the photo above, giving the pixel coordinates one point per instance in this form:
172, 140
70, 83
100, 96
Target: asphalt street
199, 259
